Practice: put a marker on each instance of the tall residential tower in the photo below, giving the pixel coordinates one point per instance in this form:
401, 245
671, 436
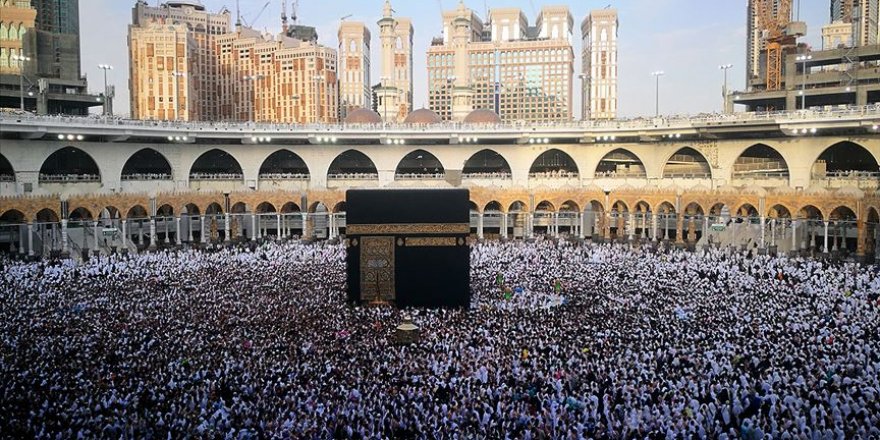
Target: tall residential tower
521, 72
599, 58
354, 67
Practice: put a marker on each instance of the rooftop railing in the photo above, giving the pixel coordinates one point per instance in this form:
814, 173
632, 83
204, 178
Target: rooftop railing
247, 128
61, 178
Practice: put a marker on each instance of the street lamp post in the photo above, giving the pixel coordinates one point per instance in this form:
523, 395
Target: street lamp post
21, 59
804, 59
584, 104
255, 79
657, 74
724, 68
105, 68
317, 78
177, 76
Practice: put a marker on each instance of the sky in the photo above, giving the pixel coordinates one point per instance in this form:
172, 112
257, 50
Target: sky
686, 39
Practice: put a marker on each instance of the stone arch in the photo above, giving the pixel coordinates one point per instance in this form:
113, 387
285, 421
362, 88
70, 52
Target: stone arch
7, 173
545, 205
339, 207
47, 215
554, 161
747, 210
843, 157
136, 211
283, 164
165, 210
760, 160
620, 162
569, 206
314, 206
215, 163
109, 212
810, 212
518, 206
687, 162
69, 161
694, 208
191, 209
419, 162
239, 208
13, 216
717, 209
352, 162
842, 212
619, 205
290, 207
473, 206
80, 213
147, 164
214, 208
665, 207
493, 206
265, 208
488, 163
779, 211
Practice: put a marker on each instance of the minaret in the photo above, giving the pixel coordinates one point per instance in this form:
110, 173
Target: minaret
387, 91
462, 94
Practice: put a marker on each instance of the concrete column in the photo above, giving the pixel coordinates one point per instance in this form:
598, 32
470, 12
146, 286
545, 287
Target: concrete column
202, 229
141, 232
679, 227
189, 227
504, 225
124, 234
763, 229
654, 226
706, 228
825, 244
606, 225
530, 222
772, 232
480, 225
167, 229
254, 227
644, 235
64, 237
226, 227
581, 226
861, 237
794, 235
666, 227
305, 225
152, 233
177, 230
278, 225
632, 224
96, 235
30, 239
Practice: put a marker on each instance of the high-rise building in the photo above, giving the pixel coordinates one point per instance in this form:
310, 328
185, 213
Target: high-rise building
756, 42
395, 93
522, 72
354, 67
863, 15
837, 35
599, 58
189, 64
40, 57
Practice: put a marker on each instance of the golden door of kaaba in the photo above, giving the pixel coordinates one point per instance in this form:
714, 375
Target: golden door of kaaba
377, 269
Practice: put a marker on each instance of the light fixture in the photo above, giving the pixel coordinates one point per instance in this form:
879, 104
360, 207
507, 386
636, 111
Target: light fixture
61, 136
813, 130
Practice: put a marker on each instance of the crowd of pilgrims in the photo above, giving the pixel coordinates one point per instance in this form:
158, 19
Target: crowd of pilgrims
562, 340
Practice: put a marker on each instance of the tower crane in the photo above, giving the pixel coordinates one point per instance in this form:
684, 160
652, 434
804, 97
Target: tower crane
780, 34
257, 17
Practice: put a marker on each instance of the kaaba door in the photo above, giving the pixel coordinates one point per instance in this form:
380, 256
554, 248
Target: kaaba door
377, 269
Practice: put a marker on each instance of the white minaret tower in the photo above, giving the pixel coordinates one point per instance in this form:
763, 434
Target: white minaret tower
387, 92
462, 94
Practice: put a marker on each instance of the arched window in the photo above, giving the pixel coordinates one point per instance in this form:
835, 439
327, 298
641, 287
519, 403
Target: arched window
3, 31
21, 30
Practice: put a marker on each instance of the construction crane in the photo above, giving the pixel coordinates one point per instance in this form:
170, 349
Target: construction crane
780, 33
257, 17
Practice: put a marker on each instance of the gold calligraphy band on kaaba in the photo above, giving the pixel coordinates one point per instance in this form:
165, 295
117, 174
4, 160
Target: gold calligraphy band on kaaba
430, 241
403, 229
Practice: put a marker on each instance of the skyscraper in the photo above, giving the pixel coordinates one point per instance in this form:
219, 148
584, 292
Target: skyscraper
599, 57
46, 34
354, 66
863, 15
188, 64
522, 72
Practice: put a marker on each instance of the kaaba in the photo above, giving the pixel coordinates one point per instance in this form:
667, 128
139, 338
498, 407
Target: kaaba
408, 247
